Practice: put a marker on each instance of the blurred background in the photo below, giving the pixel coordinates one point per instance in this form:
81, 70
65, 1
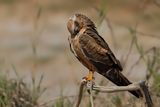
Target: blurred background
34, 42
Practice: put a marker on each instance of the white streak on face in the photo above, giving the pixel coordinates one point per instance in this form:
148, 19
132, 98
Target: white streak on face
73, 27
73, 18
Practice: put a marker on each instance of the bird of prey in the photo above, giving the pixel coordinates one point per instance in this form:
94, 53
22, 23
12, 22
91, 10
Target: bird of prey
93, 52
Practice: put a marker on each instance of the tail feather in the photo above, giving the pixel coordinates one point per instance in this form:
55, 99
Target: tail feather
119, 79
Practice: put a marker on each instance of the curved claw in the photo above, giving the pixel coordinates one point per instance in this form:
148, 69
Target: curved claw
89, 77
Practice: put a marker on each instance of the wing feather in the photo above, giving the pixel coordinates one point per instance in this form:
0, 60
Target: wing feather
96, 49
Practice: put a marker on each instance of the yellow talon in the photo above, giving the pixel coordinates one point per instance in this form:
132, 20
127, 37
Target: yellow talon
89, 77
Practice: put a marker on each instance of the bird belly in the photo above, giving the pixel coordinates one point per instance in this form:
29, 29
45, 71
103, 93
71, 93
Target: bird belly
81, 57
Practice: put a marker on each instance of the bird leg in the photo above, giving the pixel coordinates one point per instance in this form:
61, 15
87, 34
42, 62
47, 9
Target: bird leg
89, 77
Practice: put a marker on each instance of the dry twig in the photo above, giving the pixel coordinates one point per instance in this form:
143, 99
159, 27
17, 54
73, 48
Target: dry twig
83, 82
134, 86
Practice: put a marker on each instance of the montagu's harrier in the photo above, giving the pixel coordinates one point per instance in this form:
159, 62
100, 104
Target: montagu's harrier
93, 52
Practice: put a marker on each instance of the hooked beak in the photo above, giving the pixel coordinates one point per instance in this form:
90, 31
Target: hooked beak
71, 27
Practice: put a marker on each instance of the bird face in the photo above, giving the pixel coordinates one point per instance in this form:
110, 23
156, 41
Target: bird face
77, 22
73, 25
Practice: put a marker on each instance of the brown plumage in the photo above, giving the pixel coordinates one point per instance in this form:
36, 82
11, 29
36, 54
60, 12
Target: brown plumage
93, 52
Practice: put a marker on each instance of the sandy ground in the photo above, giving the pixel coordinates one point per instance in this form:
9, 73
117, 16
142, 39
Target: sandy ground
20, 31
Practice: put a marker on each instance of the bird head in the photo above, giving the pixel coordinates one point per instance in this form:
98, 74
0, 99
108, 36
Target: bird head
77, 22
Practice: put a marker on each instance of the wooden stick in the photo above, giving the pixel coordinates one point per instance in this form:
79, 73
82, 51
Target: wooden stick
146, 94
89, 89
134, 86
83, 82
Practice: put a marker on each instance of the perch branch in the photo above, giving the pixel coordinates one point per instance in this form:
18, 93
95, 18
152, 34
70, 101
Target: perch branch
134, 86
83, 82
89, 89
146, 94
